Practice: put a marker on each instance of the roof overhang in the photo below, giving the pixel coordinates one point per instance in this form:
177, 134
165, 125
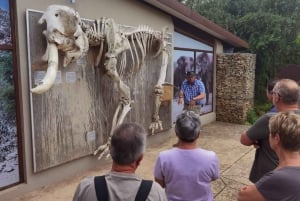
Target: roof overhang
184, 13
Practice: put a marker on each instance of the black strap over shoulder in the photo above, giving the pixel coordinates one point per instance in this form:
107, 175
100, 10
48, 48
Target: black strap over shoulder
144, 190
101, 188
102, 191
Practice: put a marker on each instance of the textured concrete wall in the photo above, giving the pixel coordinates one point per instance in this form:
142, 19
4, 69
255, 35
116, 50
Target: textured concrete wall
234, 86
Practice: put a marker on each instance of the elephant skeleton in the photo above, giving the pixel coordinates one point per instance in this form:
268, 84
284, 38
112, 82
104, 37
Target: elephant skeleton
67, 33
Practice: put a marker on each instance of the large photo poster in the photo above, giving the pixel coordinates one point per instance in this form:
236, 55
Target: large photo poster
9, 163
201, 62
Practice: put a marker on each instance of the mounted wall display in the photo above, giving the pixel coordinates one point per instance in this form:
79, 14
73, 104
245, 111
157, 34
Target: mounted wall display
76, 114
9, 142
192, 55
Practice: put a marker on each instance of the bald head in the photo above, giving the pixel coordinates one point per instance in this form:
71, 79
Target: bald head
287, 90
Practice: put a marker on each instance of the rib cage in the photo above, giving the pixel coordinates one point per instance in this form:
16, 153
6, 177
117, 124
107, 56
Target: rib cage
142, 41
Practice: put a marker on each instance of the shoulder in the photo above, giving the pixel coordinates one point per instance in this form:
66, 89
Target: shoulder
208, 152
85, 189
168, 151
184, 81
275, 177
209, 155
199, 82
263, 120
157, 193
87, 181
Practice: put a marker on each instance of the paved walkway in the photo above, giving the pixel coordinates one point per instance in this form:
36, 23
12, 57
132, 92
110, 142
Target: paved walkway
223, 138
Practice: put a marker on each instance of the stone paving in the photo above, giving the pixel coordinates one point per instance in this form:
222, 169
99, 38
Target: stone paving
223, 138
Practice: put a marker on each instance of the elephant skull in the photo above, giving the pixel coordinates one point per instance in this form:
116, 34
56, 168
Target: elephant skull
63, 33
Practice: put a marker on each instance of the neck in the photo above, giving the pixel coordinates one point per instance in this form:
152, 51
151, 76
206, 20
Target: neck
288, 158
282, 108
187, 145
130, 168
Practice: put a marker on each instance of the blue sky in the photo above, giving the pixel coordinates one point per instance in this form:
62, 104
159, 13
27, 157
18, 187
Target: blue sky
4, 4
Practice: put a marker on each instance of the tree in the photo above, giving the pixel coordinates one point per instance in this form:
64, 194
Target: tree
271, 28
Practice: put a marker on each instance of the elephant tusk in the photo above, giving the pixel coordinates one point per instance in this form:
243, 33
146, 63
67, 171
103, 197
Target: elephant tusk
50, 76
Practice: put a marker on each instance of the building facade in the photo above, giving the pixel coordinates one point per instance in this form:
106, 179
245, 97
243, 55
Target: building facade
46, 138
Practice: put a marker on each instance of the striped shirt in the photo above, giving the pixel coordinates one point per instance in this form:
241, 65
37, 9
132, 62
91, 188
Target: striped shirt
190, 91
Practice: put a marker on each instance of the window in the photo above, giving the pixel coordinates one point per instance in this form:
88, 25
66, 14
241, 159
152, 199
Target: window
192, 55
9, 137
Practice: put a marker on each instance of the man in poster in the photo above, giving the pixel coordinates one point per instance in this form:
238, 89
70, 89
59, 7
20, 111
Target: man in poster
192, 93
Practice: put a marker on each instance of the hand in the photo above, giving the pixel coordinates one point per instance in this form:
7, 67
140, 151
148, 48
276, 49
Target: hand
192, 103
256, 145
180, 100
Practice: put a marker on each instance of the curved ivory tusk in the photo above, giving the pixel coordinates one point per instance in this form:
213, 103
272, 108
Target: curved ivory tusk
50, 76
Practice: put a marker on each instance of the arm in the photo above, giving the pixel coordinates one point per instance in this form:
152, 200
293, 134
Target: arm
258, 131
201, 91
180, 98
245, 140
199, 97
250, 193
158, 174
161, 182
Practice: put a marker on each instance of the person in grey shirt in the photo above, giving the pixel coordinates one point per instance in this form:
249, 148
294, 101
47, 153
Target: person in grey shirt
285, 95
283, 183
128, 144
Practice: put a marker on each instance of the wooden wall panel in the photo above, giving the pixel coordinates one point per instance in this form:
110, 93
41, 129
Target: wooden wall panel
83, 101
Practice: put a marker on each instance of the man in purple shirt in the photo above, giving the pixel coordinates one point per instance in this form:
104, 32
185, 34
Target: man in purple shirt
186, 171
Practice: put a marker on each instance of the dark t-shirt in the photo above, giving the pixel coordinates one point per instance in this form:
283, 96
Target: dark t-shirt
265, 158
280, 185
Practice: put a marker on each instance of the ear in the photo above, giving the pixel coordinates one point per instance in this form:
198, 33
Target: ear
198, 135
276, 98
138, 161
276, 139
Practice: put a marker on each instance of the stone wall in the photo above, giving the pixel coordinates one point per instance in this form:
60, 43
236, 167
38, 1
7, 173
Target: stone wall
234, 86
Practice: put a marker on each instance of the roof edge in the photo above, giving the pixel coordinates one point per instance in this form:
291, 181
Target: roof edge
175, 8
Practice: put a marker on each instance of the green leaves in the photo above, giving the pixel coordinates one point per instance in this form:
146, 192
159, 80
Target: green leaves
271, 27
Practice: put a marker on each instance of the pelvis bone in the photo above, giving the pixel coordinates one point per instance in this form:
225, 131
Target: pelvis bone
68, 34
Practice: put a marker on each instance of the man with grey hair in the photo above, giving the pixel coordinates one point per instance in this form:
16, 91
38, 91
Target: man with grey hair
285, 96
186, 170
283, 182
128, 145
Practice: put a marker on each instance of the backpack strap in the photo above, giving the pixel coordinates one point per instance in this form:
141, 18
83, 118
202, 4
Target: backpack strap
144, 190
102, 191
101, 188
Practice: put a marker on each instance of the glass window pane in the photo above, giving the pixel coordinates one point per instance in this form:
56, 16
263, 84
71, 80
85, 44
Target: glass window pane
183, 41
9, 163
5, 26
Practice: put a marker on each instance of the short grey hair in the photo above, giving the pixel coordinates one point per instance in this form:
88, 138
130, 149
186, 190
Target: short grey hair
288, 91
128, 143
187, 126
